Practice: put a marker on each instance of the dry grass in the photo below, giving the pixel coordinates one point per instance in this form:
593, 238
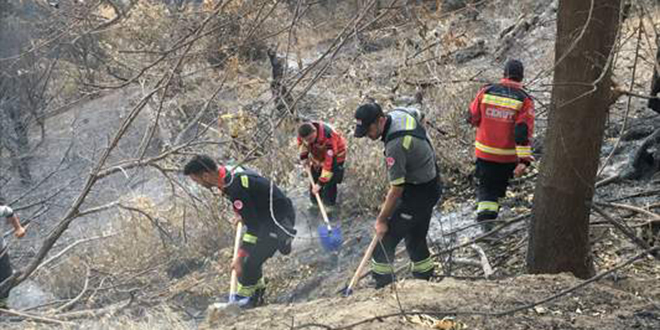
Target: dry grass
144, 255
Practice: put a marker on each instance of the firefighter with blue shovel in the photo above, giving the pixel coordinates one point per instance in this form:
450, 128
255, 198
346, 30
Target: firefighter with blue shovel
323, 153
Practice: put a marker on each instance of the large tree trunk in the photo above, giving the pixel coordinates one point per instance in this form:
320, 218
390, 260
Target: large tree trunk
559, 232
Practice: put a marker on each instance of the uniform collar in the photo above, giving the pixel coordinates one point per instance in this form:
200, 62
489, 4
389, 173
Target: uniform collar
511, 83
386, 129
319, 131
224, 177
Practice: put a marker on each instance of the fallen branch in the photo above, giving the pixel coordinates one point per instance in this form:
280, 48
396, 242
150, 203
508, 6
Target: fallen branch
630, 208
484, 235
46, 304
640, 242
33, 317
92, 313
466, 262
471, 225
488, 270
606, 181
653, 206
639, 194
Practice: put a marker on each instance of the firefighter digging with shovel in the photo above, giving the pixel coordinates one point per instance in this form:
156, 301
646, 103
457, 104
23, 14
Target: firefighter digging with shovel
323, 153
252, 197
415, 189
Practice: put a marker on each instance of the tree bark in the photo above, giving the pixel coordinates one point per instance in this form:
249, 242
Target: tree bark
283, 100
559, 231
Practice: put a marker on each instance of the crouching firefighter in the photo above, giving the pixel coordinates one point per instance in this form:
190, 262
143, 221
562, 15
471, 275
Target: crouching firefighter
415, 188
250, 195
503, 114
323, 149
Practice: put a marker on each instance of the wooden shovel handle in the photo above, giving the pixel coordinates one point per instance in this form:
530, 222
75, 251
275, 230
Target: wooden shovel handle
318, 199
233, 284
363, 262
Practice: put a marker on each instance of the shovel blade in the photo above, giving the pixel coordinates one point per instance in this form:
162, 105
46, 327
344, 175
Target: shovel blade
331, 238
222, 310
346, 292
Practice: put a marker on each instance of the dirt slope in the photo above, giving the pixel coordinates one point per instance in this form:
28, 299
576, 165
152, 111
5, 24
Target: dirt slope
595, 307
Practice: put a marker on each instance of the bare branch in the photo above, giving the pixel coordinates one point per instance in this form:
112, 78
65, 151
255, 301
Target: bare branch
35, 317
68, 248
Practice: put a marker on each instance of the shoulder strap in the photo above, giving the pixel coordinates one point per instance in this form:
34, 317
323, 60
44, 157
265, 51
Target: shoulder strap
418, 132
243, 174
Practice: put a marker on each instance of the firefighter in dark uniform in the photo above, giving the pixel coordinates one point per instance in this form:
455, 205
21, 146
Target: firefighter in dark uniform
323, 149
250, 195
414, 188
504, 116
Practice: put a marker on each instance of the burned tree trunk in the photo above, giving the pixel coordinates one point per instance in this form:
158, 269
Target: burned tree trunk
645, 162
654, 104
282, 98
559, 232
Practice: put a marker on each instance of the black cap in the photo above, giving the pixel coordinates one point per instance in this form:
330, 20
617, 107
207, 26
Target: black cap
366, 115
514, 70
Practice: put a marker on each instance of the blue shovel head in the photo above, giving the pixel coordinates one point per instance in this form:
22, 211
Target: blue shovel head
331, 239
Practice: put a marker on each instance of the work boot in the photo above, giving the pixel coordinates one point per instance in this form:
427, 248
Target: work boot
243, 302
259, 297
285, 246
487, 227
424, 276
284, 241
487, 220
383, 280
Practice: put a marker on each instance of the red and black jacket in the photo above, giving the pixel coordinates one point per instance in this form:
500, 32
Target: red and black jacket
504, 116
329, 148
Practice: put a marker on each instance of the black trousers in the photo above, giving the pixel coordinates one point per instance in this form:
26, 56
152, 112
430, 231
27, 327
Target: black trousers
328, 191
5, 272
493, 180
409, 222
269, 240
252, 279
